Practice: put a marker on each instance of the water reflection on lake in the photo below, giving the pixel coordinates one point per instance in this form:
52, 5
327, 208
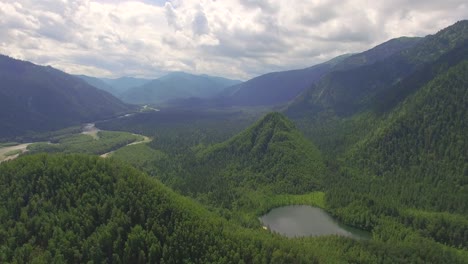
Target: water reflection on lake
304, 220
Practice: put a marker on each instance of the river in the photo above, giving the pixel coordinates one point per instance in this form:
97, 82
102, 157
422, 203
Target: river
12, 152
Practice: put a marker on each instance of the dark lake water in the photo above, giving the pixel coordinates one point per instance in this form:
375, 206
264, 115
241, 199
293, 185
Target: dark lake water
304, 220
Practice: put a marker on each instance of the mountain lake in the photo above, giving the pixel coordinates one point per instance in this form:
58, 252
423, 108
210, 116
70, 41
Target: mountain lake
304, 220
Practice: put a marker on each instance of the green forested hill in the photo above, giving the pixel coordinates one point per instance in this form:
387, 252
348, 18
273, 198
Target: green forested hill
75, 209
84, 209
271, 155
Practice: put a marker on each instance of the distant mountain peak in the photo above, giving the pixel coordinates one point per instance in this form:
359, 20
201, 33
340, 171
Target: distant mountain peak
177, 85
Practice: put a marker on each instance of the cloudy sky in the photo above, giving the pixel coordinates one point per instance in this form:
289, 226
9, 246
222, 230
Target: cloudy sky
231, 38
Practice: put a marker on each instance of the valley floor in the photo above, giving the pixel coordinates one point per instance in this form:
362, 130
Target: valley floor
12, 152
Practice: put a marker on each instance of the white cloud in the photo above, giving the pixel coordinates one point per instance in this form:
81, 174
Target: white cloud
232, 38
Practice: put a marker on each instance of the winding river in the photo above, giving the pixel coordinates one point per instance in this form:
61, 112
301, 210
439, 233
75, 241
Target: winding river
12, 152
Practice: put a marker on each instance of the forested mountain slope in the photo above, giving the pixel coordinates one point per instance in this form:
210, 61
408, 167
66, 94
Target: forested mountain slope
423, 146
334, 131
273, 88
416, 160
388, 99
36, 98
378, 53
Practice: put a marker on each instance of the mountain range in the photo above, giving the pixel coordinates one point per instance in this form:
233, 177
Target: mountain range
114, 86
40, 98
124, 83
279, 88
347, 91
170, 87
176, 85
